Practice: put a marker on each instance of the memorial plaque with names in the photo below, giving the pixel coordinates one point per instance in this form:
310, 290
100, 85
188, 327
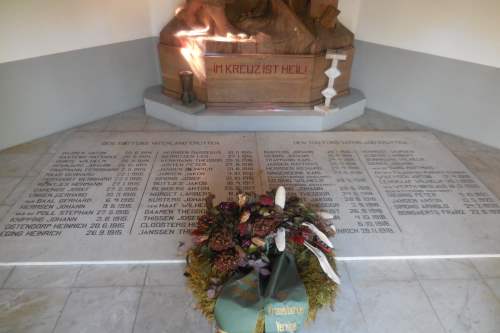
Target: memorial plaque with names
135, 196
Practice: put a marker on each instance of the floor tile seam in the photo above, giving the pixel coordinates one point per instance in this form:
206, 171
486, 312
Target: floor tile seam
478, 278
62, 310
107, 287
108, 124
74, 288
23, 178
429, 301
485, 282
77, 275
491, 289
165, 286
144, 124
12, 190
106, 121
481, 146
139, 303
389, 280
37, 288
481, 274
146, 275
7, 278
59, 141
356, 297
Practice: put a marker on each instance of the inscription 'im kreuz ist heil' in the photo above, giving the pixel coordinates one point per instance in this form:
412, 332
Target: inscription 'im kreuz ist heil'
261, 69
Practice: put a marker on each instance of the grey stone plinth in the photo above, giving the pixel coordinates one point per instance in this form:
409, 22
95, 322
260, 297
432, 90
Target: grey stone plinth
273, 119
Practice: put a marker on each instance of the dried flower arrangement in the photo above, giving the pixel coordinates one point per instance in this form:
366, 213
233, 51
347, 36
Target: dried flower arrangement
262, 263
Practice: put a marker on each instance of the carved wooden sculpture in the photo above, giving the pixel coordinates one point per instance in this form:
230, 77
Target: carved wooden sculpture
255, 51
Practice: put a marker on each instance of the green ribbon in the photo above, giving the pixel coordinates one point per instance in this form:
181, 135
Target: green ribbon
284, 302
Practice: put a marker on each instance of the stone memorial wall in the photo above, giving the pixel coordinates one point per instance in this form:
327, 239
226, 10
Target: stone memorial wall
136, 196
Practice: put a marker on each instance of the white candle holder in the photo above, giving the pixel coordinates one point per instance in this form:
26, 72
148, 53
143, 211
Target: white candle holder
333, 73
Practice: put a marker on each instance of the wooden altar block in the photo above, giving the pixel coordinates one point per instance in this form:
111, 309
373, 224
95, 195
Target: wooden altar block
247, 47
266, 91
254, 78
259, 78
217, 46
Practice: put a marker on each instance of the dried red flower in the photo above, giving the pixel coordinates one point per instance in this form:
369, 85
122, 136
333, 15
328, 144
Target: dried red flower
221, 240
298, 239
204, 223
243, 228
228, 206
266, 200
197, 232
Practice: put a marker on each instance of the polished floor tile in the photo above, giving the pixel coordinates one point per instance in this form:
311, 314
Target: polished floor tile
396, 307
43, 162
458, 144
345, 317
488, 268
4, 210
479, 161
7, 185
444, 269
42, 277
99, 310
169, 309
159, 125
17, 165
139, 112
464, 305
111, 276
36, 147
126, 124
382, 297
166, 275
4, 274
62, 139
491, 179
380, 270
16, 194
494, 284
378, 121
95, 126
30, 311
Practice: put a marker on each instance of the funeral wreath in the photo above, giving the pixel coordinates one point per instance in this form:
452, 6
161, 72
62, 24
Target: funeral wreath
262, 263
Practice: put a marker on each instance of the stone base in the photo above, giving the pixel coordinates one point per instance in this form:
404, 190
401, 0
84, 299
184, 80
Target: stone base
272, 119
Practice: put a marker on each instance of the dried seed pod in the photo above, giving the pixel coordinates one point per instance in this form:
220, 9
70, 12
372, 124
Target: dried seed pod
258, 242
242, 200
221, 240
263, 227
226, 262
245, 216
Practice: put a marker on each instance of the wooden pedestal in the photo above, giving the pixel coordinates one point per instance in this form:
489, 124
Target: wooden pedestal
232, 79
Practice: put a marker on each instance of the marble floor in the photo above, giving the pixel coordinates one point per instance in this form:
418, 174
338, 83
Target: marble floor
377, 296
